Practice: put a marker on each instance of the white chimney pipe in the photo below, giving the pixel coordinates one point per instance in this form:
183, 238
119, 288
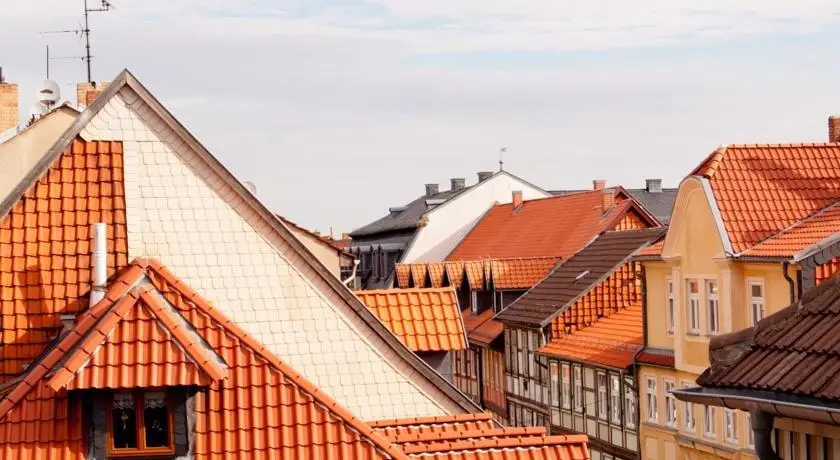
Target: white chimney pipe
99, 258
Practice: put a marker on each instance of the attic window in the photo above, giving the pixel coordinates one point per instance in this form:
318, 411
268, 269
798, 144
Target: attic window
577, 278
140, 424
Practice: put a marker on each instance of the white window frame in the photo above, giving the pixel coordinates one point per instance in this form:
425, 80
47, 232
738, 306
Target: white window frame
554, 387
651, 400
566, 386
713, 307
603, 401
670, 403
670, 306
629, 405
690, 418
577, 389
756, 303
615, 399
693, 307
750, 434
730, 425
709, 422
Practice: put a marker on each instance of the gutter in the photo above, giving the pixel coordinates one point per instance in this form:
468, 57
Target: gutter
791, 283
352, 276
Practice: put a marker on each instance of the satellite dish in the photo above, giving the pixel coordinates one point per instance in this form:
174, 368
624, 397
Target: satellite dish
37, 111
251, 187
49, 93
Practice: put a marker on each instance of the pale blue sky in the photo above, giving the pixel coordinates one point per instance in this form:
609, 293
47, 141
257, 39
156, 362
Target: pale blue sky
338, 109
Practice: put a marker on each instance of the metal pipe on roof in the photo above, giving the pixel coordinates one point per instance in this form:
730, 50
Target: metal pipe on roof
785, 266
99, 259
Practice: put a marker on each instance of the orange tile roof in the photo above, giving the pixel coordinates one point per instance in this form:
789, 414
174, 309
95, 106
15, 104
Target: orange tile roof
45, 247
482, 328
557, 226
273, 411
403, 272
763, 189
474, 437
423, 319
455, 273
475, 274
800, 235
520, 273
436, 274
610, 341
652, 251
418, 275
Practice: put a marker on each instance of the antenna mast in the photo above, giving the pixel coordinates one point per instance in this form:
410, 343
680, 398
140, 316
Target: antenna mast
501, 159
86, 31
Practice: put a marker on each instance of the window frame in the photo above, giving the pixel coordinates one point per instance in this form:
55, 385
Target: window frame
651, 400
602, 402
670, 306
630, 404
709, 421
730, 420
577, 388
713, 307
615, 404
670, 403
565, 386
752, 301
750, 434
554, 387
140, 428
688, 413
693, 301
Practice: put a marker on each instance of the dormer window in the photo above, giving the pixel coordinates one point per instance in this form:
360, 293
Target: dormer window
140, 425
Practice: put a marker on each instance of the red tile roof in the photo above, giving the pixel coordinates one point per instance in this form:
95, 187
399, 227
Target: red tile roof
423, 319
45, 247
403, 272
436, 274
520, 273
654, 358
455, 273
273, 411
558, 227
653, 251
476, 438
611, 341
800, 235
418, 275
795, 351
764, 189
482, 328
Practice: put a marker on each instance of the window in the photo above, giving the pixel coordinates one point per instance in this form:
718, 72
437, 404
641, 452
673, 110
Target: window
714, 307
709, 422
670, 405
629, 404
577, 396
566, 386
669, 302
140, 424
693, 314
750, 434
602, 396
555, 385
688, 407
731, 424
650, 395
522, 342
615, 399
756, 292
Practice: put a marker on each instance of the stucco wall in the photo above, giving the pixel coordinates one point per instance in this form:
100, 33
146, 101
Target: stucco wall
327, 255
182, 212
655, 297
449, 223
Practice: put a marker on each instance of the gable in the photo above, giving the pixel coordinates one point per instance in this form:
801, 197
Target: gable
183, 210
694, 233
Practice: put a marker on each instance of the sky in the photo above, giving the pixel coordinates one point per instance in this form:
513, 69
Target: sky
339, 109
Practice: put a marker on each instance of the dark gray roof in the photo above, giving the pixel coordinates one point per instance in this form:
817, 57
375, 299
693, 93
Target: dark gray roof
389, 241
659, 204
405, 219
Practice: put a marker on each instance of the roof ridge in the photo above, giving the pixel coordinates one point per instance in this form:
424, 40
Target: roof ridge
469, 433
499, 443
432, 420
446, 289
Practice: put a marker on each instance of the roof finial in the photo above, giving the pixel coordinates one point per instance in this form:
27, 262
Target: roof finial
501, 158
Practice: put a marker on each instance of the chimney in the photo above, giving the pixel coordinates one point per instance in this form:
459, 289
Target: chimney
99, 258
87, 92
457, 183
517, 199
608, 200
9, 104
345, 236
653, 185
431, 190
484, 175
599, 184
834, 129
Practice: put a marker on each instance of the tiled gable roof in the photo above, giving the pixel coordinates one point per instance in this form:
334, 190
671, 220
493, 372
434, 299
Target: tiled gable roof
482, 329
795, 351
763, 189
799, 236
423, 319
520, 273
278, 395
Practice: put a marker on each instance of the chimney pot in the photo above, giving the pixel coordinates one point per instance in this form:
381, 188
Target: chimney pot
653, 185
608, 200
599, 184
834, 129
516, 199
431, 190
457, 183
484, 175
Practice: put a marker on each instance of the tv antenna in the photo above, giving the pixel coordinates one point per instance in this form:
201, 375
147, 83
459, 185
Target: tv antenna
501, 158
84, 31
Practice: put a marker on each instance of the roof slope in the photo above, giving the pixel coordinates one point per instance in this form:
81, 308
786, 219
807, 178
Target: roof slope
423, 319
275, 428
577, 275
763, 189
407, 218
793, 351
660, 204
557, 226
799, 236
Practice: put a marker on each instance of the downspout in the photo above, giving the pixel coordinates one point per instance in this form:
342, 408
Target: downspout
352, 275
480, 376
99, 259
762, 426
790, 281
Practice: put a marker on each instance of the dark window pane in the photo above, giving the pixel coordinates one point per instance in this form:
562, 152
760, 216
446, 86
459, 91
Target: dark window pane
123, 419
156, 420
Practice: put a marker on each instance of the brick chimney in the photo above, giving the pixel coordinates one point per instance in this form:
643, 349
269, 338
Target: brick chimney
653, 185
484, 175
457, 183
431, 190
834, 129
9, 104
608, 200
517, 199
599, 184
87, 92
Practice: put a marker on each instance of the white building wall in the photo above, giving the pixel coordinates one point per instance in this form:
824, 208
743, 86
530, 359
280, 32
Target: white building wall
451, 222
181, 212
